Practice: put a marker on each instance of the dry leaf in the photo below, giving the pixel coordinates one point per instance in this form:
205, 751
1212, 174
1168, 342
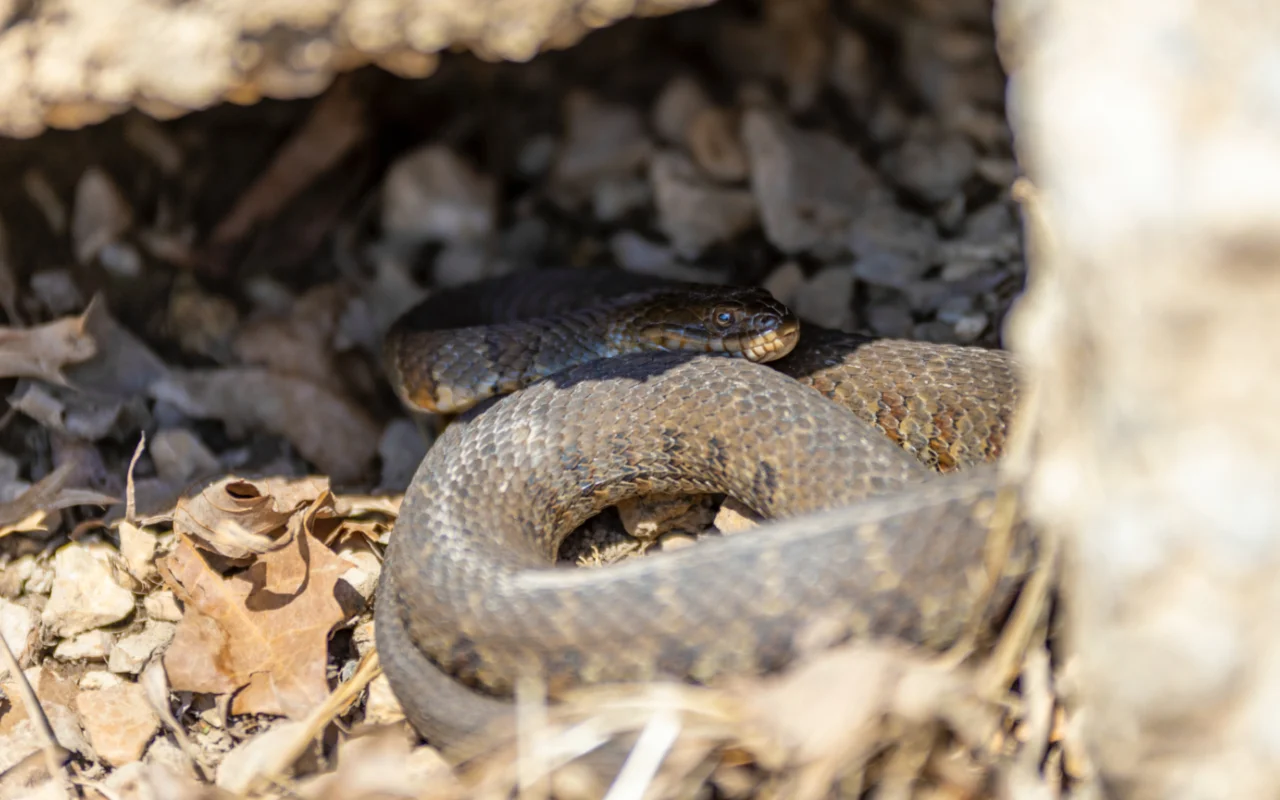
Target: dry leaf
335, 125
237, 633
100, 216
35, 522
8, 283
123, 365
328, 430
239, 518
41, 352
49, 494
300, 344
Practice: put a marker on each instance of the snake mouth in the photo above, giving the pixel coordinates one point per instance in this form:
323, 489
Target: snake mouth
767, 343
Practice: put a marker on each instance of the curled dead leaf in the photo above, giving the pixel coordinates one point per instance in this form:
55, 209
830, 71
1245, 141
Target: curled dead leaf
41, 352
238, 518
51, 493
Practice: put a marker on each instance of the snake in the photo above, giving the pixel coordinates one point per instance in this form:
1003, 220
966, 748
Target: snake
874, 462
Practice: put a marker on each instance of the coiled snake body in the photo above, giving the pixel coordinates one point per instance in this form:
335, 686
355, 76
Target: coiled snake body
870, 540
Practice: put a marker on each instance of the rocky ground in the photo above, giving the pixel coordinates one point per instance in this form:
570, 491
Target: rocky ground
198, 425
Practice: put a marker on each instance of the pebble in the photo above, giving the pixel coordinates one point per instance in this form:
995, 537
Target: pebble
893, 247
85, 592
88, 646
785, 282
432, 195
602, 139
680, 101
162, 606
18, 626
132, 652
932, 163
826, 299
894, 321
616, 196
118, 721
693, 212
810, 185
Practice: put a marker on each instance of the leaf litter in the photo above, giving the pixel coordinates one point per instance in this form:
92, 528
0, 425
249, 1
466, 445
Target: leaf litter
212, 630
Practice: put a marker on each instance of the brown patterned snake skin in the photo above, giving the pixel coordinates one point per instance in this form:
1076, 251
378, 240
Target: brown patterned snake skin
870, 538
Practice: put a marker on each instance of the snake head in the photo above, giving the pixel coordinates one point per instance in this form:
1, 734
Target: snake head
747, 323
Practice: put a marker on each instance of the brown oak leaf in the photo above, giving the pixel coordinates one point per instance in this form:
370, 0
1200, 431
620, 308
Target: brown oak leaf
262, 632
237, 517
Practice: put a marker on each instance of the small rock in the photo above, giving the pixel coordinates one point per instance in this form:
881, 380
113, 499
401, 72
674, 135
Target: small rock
950, 68
363, 575
467, 261
100, 215
382, 707
131, 652
138, 549
714, 142
162, 606
784, 282
16, 574
933, 164
955, 307
894, 247
636, 253
998, 171
615, 197
950, 215
24, 737
181, 456
92, 645
827, 299
164, 753
85, 592
18, 626
57, 292
962, 270
734, 517
99, 679
121, 260
40, 580
692, 212
602, 140
119, 722
970, 326
646, 518
363, 637
935, 331
432, 195
676, 541
679, 102
893, 321
810, 186
536, 155
927, 296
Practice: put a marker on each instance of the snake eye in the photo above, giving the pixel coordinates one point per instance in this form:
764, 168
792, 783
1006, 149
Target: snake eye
724, 318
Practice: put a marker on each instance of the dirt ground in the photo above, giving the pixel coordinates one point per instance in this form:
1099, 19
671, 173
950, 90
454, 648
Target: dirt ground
197, 413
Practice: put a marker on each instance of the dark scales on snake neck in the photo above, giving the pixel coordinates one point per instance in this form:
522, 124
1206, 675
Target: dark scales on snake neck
841, 440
